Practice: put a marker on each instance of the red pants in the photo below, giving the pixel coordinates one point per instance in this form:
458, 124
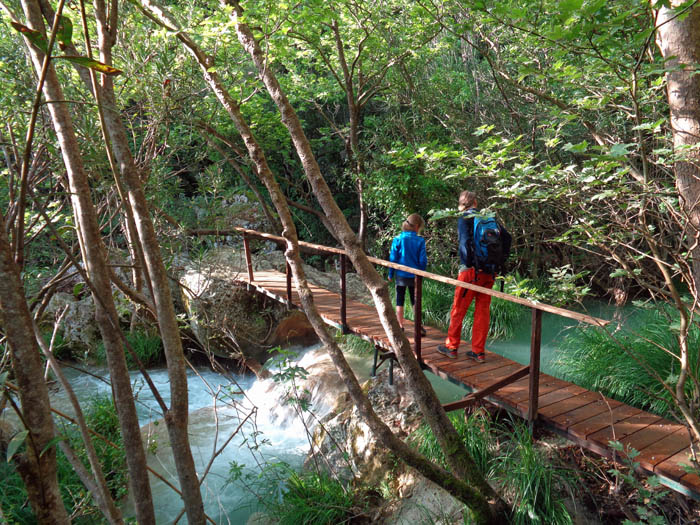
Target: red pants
482, 311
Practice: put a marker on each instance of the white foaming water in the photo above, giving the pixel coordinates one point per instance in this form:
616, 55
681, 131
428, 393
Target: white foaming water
260, 427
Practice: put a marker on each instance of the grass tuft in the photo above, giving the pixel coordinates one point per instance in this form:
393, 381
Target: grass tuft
312, 498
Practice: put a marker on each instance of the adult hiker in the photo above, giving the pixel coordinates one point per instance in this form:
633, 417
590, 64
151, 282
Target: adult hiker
484, 245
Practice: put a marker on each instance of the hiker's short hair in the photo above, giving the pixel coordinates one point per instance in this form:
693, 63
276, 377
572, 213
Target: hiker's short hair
413, 222
467, 199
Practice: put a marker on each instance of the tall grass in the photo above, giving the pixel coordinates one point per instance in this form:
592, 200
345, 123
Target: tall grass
146, 345
101, 417
508, 456
531, 481
477, 433
622, 365
311, 499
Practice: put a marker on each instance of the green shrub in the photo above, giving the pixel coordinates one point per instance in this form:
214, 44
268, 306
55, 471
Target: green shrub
147, 346
621, 365
101, 417
312, 498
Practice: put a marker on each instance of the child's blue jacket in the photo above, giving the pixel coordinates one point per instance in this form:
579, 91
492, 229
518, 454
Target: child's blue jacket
408, 248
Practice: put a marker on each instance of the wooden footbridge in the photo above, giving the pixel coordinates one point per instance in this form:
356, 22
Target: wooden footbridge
584, 417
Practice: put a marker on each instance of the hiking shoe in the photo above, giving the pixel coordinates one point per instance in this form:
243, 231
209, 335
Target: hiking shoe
447, 351
479, 358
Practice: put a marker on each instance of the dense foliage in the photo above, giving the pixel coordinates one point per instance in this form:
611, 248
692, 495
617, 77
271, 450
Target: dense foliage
556, 114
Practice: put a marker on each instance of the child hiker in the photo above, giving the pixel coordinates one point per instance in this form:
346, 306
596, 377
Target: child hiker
484, 245
408, 249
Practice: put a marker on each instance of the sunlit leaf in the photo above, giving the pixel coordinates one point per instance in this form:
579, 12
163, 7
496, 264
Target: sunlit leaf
35, 37
64, 34
92, 64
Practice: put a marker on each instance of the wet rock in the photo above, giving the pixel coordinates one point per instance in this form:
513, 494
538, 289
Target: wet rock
294, 328
79, 329
344, 442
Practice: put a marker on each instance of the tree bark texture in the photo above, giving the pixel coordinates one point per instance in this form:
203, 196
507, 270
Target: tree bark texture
678, 38
177, 416
37, 465
95, 260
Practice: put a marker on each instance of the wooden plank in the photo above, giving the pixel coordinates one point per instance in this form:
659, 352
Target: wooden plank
556, 411
588, 426
547, 384
597, 407
664, 448
623, 428
480, 394
555, 396
672, 467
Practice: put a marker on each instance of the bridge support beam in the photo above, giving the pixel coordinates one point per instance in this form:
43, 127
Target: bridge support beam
480, 394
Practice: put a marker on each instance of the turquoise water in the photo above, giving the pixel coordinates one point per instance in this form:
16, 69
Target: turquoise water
270, 439
555, 329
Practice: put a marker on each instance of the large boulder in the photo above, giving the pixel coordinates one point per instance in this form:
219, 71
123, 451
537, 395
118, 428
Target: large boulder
79, 330
347, 444
231, 321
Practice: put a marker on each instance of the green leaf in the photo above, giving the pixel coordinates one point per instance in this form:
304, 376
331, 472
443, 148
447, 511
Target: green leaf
64, 34
620, 150
576, 148
92, 64
77, 289
15, 443
35, 37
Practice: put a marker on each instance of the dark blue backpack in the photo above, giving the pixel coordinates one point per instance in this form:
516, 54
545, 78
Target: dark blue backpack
491, 245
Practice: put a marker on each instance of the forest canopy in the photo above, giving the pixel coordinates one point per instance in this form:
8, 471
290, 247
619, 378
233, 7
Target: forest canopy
129, 126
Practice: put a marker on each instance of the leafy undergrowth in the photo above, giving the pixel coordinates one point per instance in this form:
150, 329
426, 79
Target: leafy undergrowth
609, 491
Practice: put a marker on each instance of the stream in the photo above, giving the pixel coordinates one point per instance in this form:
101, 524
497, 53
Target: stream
270, 431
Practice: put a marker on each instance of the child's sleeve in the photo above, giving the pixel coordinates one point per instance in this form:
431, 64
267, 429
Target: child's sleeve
393, 255
422, 256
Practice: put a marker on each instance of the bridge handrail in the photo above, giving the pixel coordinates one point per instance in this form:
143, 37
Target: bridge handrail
308, 246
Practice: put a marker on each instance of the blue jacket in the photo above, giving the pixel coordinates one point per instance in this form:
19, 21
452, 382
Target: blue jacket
408, 248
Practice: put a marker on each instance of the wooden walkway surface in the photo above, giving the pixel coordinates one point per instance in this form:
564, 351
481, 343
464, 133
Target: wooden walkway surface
586, 418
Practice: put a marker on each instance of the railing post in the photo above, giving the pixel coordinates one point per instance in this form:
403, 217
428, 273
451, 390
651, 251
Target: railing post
418, 316
343, 293
248, 260
288, 271
535, 343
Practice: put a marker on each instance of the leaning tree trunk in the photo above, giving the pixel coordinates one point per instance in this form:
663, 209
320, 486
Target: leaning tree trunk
36, 465
95, 261
455, 452
177, 416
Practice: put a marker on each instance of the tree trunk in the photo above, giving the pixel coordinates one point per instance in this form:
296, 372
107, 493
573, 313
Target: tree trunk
37, 465
94, 258
678, 38
455, 452
177, 416
476, 497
